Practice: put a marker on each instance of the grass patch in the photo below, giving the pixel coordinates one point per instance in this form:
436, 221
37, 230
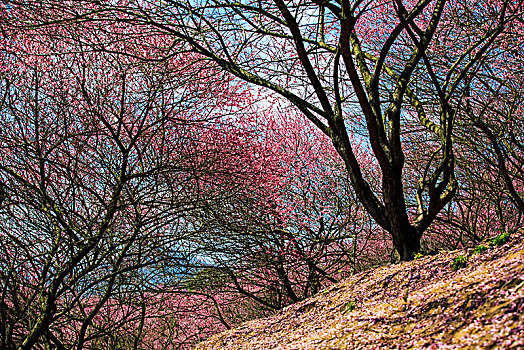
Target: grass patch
417, 256
459, 262
481, 248
500, 239
349, 306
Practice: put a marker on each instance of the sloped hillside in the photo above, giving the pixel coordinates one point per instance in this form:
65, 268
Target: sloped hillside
471, 299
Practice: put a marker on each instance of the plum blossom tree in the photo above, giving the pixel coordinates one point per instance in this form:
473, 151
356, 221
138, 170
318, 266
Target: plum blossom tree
108, 164
283, 237
102, 157
133, 172
345, 60
378, 69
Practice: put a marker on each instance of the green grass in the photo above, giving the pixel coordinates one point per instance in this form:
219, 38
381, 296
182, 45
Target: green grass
493, 242
349, 306
501, 239
417, 256
459, 262
481, 248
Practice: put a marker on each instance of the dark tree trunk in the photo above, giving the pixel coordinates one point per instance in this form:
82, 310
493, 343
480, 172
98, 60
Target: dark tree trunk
406, 237
406, 242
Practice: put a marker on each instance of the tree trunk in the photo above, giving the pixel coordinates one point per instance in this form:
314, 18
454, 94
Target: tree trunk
406, 242
406, 237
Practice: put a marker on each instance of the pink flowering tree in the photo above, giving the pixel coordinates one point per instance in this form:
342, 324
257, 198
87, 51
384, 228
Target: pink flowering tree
102, 158
149, 199
378, 69
116, 179
294, 228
